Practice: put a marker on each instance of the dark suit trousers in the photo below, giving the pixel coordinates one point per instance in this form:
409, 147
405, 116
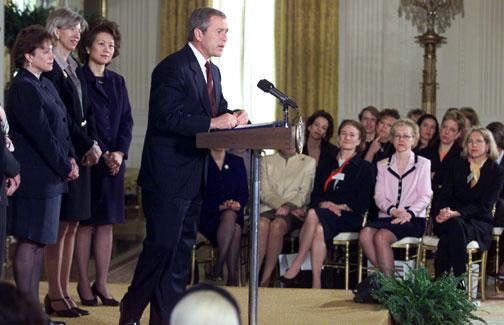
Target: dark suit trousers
454, 236
164, 265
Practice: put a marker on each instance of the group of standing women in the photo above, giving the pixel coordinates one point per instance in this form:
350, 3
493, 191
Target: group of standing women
71, 126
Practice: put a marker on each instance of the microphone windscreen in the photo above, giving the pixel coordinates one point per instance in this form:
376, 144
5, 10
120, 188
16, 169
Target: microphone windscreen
264, 85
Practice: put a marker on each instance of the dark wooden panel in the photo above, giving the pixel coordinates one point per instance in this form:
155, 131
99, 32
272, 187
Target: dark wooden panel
253, 138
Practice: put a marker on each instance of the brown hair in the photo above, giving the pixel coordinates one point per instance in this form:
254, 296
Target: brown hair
360, 128
371, 109
455, 115
497, 129
27, 41
99, 25
389, 112
470, 114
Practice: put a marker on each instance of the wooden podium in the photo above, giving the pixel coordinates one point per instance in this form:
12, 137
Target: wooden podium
255, 139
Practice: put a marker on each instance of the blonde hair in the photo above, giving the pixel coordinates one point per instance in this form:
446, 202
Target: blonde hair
493, 153
205, 307
408, 123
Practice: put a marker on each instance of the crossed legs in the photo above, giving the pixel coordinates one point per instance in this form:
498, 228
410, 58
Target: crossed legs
377, 246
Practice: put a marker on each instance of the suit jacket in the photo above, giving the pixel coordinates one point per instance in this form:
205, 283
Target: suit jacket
354, 190
411, 192
474, 204
499, 205
288, 181
39, 128
179, 107
10, 167
82, 123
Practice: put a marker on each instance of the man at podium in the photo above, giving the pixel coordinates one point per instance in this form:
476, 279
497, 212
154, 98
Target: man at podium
185, 99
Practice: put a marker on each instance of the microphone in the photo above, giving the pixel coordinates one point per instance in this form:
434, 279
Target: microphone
268, 87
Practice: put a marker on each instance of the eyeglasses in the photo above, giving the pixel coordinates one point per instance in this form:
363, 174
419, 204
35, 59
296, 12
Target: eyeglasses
402, 136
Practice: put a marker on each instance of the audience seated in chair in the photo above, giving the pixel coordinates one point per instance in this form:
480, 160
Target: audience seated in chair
381, 147
471, 119
341, 194
472, 185
402, 194
497, 129
221, 221
206, 305
429, 132
319, 130
286, 184
368, 117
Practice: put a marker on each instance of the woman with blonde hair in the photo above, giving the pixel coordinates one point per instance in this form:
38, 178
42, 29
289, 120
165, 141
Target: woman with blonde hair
472, 185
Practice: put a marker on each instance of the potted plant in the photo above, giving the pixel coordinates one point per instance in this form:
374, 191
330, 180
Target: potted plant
418, 299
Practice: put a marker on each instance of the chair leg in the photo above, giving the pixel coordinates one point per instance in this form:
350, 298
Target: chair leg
193, 265
484, 256
469, 275
240, 268
407, 257
359, 265
347, 264
497, 263
419, 256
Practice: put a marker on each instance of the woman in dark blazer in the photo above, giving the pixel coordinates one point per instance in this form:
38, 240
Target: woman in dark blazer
442, 152
341, 194
221, 221
471, 187
319, 130
39, 128
65, 26
111, 107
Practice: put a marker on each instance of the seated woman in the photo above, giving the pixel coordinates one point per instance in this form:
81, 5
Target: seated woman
341, 195
429, 131
221, 221
381, 147
319, 130
444, 151
402, 194
470, 188
286, 184
497, 129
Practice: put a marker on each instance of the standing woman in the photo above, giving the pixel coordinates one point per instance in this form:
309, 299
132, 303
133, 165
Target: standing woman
471, 187
111, 107
402, 194
341, 194
39, 128
65, 27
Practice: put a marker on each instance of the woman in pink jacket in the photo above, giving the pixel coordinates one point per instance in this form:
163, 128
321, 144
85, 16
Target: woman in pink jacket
402, 194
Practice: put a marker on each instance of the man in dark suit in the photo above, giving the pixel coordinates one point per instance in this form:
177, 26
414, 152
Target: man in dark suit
185, 98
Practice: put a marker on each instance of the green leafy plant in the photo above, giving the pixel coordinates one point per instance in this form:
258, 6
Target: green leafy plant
418, 299
17, 19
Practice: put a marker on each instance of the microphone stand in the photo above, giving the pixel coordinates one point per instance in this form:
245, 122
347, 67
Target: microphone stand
286, 114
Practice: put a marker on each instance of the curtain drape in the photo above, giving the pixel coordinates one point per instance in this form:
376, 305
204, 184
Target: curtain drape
173, 17
306, 53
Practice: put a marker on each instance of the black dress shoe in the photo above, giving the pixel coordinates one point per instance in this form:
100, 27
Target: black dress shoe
55, 322
67, 312
87, 302
105, 301
288, 282
81, 312
124, 318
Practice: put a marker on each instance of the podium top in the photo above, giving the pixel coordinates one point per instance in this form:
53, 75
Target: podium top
253, 138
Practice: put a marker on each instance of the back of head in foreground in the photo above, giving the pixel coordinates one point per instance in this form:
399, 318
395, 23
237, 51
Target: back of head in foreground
206, 305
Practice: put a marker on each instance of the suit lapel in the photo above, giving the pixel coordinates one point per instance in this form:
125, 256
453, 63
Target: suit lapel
198, 79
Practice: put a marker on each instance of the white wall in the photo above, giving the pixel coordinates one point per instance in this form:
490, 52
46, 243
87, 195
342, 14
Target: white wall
380, 64
138, 22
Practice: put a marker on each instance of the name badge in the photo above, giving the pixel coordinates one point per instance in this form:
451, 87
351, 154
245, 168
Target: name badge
470, 177
339, 177
83, 123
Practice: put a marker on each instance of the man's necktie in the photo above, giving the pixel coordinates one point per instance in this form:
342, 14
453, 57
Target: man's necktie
210, 89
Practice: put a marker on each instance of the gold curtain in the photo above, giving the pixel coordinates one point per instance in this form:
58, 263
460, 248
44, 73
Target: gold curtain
306, 34
173, 17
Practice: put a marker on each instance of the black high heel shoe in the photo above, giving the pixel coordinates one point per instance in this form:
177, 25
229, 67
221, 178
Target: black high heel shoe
81, 312
87, 302
289, 282
68, 312
105, 301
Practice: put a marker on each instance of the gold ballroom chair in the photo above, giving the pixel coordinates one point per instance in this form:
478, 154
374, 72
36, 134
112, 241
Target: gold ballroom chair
346, 239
